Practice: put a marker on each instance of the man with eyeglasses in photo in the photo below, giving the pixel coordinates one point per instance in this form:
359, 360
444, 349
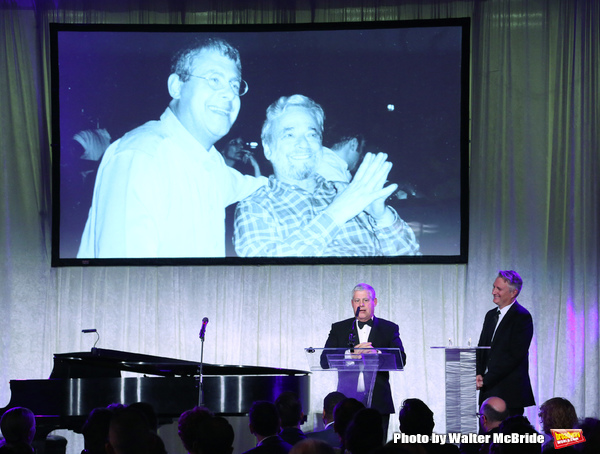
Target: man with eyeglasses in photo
162, 189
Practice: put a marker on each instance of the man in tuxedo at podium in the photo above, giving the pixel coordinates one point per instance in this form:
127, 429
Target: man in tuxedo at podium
366, 333
503, 370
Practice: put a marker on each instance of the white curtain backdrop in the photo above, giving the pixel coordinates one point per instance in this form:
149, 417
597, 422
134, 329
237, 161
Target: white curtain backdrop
534, 207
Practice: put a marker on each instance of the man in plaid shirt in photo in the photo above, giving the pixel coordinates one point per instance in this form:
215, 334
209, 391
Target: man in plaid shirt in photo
299, 213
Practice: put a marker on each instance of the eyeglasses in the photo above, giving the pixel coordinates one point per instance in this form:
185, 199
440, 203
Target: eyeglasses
478, 415
217, 82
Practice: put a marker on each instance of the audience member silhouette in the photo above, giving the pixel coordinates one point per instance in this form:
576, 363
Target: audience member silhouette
556, 413
203, 433
290, 412
265, 425
148, 411
516, 425
342, 415
364, 434
130, 432
328, 434
399, 448
590, 428
18, 428
312, 446
416, 418
492, 412
95, 431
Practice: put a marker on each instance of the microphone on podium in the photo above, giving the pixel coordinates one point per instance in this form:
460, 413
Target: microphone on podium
351, 336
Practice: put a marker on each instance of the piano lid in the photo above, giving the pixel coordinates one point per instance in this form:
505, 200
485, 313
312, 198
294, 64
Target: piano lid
100, 363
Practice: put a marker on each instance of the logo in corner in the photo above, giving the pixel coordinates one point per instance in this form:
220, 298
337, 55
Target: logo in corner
567, 437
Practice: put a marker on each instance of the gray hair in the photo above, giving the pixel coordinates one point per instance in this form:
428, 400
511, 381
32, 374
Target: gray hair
365, 287
278, 108
184, 59
513, 279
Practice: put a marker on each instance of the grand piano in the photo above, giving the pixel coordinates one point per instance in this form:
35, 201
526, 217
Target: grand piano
82, 381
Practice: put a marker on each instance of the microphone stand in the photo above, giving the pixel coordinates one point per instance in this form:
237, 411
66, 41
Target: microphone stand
200, 366
200, 377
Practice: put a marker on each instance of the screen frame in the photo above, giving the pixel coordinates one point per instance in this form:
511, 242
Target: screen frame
460, 258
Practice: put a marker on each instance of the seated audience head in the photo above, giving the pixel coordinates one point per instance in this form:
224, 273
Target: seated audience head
399, 448
492, 412
416, 418
115, 406
191, 427
365, 432
223, 436
203, 433
264, 419
343, 414
289, 408
148, 411
590, 428
516, 425
130, 432
329, 403
557, 413
18, 426
95, 431
312, 446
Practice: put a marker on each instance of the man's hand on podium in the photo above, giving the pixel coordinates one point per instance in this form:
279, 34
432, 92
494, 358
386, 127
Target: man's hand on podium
363, 348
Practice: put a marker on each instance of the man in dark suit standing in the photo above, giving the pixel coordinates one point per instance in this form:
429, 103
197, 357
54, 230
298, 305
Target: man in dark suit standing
366, 333
503, 370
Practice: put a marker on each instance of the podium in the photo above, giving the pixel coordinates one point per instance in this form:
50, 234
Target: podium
356, 369
461, 391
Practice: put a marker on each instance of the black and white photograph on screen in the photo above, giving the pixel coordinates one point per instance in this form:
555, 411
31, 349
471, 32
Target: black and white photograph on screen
391, 99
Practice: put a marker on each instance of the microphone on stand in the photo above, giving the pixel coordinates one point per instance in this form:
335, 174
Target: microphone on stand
351, 335
203, 329
200, 366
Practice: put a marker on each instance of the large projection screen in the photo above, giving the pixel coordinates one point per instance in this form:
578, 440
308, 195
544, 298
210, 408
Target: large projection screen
394, 87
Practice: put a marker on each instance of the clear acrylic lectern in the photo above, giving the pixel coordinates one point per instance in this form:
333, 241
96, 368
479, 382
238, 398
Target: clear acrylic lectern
356, 368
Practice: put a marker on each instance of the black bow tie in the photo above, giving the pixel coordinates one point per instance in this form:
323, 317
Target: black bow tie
361, 325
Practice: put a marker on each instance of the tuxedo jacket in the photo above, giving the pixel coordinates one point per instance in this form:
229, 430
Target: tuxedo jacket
384, 334
327, 435
292, 435
507, 361
271, 445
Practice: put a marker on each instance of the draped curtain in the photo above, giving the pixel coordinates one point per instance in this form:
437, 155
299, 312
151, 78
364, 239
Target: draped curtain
534, 207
